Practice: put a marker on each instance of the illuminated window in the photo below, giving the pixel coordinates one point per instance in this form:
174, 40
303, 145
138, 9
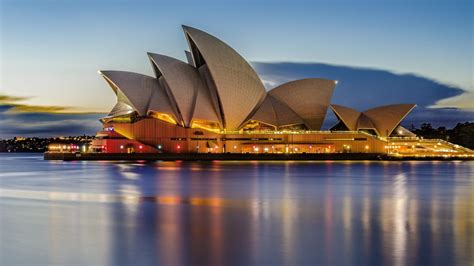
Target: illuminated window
206, 125
162, 117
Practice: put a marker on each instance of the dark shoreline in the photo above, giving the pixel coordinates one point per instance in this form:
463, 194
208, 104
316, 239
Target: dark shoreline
241, 157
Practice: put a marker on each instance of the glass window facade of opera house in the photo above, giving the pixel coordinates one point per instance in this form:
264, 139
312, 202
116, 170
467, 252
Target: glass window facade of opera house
216, 103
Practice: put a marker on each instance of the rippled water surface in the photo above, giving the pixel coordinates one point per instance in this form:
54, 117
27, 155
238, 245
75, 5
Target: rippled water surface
235, 213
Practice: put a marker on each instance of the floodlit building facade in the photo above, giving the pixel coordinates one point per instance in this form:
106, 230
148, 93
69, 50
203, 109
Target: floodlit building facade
216, 103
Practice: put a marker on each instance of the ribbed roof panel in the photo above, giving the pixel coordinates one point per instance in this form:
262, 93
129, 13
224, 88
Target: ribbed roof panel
183, 81
239, 88
309, 98
386, 118
134, 89
347, 115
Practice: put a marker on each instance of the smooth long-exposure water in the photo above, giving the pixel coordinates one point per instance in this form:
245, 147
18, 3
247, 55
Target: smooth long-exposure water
235, 213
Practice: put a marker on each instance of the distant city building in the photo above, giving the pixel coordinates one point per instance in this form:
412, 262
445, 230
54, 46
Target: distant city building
216, 103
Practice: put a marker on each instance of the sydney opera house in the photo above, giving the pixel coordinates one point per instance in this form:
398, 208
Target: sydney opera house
216, 103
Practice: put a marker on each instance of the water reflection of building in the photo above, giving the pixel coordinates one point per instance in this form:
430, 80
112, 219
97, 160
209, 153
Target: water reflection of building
210, 214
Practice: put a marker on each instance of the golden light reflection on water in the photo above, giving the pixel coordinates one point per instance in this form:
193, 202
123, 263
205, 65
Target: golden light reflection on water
126, 171
400, 218
328, 222
135, 197
169, 231
463, 222
365, 219
289, 214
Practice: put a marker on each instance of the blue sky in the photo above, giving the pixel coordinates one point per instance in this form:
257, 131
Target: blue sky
51, 49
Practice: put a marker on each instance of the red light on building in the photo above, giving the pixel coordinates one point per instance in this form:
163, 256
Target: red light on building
140, 147
178, 147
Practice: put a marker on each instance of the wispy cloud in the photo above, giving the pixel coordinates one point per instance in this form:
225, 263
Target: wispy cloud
8, 99
23, 108
464, 101
20, 119
15, 104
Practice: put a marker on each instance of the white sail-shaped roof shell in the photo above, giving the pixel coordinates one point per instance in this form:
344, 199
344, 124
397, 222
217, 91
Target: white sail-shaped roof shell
239, 89
276, 113
120, 109
184, 83
131, 88
347, 115
387, 118
204, 108
309, 98
160, 103
266, 113
137, 92
383, 119
364, 122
